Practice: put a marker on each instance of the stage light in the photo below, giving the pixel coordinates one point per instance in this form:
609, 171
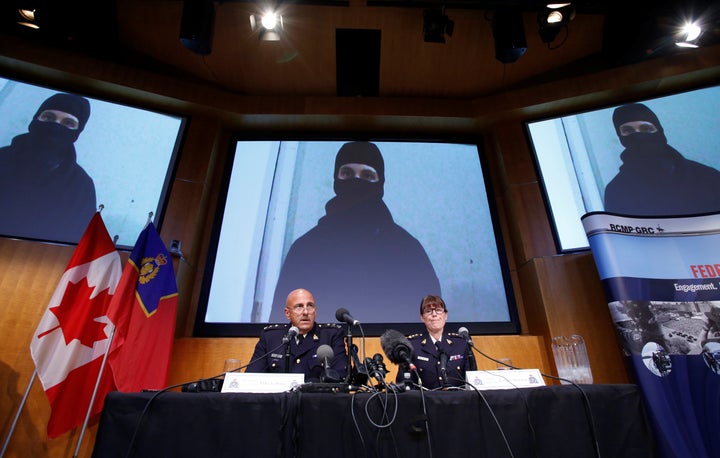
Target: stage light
436, 25
555, 17
27, 18
509, 34
196, 26
689, 35
269, 25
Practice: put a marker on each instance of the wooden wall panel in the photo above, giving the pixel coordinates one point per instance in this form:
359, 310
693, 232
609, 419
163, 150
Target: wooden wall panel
29, 273
564, 296
197, 358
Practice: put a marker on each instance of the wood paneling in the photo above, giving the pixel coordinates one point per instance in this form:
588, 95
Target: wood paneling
564, 296
197, 358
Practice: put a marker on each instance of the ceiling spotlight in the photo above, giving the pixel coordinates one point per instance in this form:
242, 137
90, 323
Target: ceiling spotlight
27, 18
689, 35
436, 25
555, 17
197, 26
509, 34
269, 25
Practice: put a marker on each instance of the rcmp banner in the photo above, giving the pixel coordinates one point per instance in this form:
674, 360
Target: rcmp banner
662, 280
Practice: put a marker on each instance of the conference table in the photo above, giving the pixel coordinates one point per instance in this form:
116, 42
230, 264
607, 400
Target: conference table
550, 421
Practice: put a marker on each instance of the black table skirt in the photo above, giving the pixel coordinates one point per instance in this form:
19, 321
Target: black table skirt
553, 422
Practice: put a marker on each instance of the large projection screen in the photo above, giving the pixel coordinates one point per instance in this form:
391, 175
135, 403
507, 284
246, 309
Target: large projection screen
579, 154
277, 191
127, 152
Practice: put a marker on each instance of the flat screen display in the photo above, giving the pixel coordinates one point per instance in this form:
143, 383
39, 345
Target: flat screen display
371, 227
663, 162
64, 155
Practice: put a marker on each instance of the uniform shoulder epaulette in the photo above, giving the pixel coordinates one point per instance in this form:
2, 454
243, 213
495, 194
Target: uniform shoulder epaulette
273, 327
330, 325
454, 334
414, 336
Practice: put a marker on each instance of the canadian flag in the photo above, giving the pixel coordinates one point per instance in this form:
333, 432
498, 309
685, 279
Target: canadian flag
73, 334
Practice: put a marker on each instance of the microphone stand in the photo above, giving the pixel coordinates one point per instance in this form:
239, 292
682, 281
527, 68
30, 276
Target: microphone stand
471, 358
287, 356
351, 348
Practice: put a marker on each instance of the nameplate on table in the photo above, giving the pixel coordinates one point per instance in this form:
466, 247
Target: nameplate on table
244, 382
505, 379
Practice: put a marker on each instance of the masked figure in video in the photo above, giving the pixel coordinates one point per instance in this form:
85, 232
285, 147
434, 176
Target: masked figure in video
357, 257
655, 179
44, 193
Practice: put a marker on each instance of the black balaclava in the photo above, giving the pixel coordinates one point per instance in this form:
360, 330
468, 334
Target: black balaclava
48, 145
356, 189
49, 133
642, 140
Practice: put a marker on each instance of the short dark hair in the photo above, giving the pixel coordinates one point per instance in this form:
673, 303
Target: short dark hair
432, 299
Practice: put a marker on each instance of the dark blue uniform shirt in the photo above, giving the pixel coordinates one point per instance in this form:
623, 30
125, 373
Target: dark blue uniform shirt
269, 355
426, 357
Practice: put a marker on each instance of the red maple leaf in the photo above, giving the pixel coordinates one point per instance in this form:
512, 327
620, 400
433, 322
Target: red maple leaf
77, 312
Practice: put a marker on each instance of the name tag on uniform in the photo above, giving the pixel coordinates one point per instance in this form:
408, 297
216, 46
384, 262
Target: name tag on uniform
423, 358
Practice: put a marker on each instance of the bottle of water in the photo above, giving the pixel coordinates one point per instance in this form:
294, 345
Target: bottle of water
571, 359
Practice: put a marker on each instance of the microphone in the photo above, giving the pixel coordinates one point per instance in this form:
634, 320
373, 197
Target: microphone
325, 354
376, 367
465, 334
342, 314
397, 348
379, 365
292, 332
443, 362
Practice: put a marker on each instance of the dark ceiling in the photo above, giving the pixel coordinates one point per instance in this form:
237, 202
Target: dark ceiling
373, 47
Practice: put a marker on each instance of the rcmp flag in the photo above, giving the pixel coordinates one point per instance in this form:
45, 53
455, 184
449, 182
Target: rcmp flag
143, 310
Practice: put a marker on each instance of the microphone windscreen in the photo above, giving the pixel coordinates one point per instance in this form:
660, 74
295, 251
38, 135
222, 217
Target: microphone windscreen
325, 352
463, 331
340, 314
392, 340
293, 331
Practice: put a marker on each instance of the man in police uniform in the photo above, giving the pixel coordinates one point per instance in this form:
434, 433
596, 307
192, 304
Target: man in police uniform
270, 351
428, 348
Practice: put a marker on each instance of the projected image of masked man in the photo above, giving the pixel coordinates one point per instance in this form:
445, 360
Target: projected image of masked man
655, 179
442, 358
357, 257
299, 354
44, 193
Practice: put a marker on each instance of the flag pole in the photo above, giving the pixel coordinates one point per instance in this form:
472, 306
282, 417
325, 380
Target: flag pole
95, 390
17, 414
100, 373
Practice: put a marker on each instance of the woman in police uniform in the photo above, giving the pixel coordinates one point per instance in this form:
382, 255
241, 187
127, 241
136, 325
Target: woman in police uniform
441, 358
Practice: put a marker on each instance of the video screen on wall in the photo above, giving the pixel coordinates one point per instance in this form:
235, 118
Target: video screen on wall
652, 157
371, 227
63, 155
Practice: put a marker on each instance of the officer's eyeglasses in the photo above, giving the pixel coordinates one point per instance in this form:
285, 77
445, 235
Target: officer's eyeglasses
298, 308
430, 311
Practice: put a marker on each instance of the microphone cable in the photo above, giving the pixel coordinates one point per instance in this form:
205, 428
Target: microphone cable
527, 409
425, 419
497, 422
157, 393
586, 401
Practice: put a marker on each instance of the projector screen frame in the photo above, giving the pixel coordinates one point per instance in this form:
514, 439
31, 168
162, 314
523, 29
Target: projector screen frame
203, 328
